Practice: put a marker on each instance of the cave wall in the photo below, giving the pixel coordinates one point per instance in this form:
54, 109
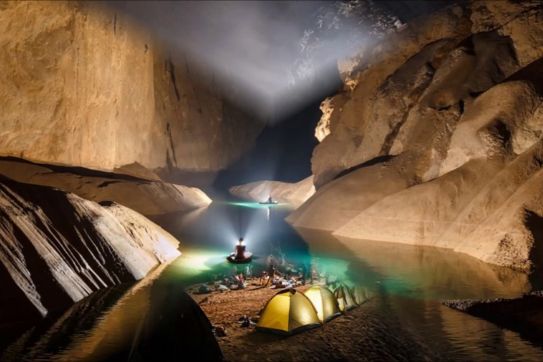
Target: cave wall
291, 193
436, 136
57, 248
82, 85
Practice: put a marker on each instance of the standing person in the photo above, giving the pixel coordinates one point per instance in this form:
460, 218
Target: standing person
271, 274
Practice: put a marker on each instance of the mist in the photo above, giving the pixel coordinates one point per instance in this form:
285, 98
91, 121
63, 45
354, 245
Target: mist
269, 57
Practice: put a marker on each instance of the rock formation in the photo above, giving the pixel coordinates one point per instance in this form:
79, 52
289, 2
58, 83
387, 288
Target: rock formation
146, 194
83, 86
56, 248
523, 315
436, 137
293, 194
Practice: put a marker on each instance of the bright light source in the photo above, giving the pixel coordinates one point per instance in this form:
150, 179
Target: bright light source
276, 55
194, 262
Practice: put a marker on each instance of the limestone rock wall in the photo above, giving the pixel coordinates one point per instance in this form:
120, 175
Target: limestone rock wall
436, 137
149, 196
81, 85
56, 248
293, 194
408, 93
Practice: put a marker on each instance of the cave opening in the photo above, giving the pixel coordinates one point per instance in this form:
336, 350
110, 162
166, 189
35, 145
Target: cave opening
282, 151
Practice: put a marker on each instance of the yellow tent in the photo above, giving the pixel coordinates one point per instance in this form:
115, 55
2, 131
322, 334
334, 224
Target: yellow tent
344, 298
288, 312
360, 294
324, 302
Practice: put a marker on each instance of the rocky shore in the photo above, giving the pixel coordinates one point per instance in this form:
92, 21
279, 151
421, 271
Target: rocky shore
523, 315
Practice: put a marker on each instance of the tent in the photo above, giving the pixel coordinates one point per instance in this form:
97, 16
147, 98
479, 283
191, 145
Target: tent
360, 294
288, 312
324, 302
344, 298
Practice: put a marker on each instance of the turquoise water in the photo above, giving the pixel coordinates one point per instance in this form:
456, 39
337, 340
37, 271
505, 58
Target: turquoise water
407, 283
414, 272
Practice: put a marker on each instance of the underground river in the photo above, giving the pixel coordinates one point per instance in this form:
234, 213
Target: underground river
404, 320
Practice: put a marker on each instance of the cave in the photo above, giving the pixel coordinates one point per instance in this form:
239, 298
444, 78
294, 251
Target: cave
271, 180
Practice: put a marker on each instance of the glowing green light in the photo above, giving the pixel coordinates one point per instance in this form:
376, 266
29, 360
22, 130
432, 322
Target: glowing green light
194, 262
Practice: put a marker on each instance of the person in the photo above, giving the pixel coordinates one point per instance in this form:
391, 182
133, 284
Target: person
240, 250
270, 200
239, 279
271, 274
263, 278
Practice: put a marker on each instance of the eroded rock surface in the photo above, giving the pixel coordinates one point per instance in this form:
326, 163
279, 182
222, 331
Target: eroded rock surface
294, 194
146, 194
82, 86
436, 138
56, 248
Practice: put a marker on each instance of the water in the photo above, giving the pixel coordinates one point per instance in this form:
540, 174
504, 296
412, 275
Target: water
405, 320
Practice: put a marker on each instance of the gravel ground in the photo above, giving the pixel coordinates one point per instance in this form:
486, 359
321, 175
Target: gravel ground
332, 341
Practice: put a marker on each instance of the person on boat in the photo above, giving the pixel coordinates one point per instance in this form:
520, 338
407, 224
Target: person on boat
240, 250
270, 200
240, 254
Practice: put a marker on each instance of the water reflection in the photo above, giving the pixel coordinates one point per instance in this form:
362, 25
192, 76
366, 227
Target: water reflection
151, 320
403, 321
420, 272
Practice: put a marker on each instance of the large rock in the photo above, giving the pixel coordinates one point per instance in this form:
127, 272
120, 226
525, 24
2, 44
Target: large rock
340, 200
146, 194
480, 209
436, 138
56, 248
82, 86
408, 93
293, 194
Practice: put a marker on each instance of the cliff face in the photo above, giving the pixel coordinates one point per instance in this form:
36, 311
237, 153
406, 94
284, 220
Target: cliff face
145, 192
293, 194
436, 137
82, 86
56, 248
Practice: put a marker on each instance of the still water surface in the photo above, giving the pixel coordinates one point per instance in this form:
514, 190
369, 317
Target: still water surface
406, 320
